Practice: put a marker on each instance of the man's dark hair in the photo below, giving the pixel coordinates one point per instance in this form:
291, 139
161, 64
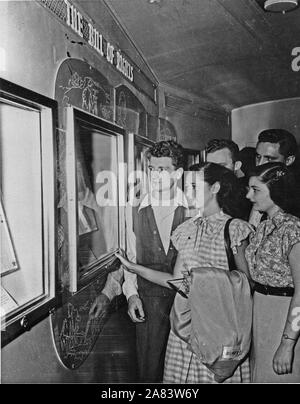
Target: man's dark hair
220, 144
287, 142
167, 148
247, 158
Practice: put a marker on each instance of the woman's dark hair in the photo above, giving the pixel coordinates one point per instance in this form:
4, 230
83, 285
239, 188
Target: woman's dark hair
282, 185
229, 194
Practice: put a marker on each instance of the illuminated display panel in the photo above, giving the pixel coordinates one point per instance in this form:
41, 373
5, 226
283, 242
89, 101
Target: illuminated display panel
27, 207
94, 193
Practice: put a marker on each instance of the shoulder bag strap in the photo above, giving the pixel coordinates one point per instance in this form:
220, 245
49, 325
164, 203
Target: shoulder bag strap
229, 253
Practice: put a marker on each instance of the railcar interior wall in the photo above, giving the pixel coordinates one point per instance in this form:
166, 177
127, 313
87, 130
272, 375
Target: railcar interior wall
85, 88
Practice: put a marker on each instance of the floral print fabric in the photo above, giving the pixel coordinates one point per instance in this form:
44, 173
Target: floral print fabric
269, 248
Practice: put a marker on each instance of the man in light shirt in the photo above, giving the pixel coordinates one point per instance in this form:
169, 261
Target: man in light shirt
224, 152
148, 243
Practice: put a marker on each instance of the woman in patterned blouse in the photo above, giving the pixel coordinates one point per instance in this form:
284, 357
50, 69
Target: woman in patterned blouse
200, 243
273, 257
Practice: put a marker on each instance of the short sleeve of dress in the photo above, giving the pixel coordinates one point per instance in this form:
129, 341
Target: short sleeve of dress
179, 234
291, 235
239, 230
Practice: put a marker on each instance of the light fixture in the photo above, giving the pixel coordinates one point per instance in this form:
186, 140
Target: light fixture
280, 6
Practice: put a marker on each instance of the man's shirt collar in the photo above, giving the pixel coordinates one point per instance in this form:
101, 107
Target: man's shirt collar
179, 200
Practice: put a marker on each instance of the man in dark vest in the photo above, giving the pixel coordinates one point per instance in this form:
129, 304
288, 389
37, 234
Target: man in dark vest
148, 243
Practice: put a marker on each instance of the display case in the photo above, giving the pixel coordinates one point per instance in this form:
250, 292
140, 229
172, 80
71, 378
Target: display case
95, 197
27, 208
137, 167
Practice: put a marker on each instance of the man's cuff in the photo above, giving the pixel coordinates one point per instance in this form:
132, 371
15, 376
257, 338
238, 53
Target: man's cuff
129, 290
108, 293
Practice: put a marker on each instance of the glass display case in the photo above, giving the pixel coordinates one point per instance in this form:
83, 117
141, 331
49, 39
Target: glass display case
137, 167
95, 195
27, 208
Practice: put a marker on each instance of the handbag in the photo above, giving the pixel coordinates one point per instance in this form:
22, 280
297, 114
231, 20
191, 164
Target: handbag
236, 339
180, 317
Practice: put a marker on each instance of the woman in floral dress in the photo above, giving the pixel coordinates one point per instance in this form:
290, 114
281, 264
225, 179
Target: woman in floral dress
273, 257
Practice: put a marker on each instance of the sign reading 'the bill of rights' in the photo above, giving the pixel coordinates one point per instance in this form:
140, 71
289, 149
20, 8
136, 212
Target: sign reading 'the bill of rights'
86, 30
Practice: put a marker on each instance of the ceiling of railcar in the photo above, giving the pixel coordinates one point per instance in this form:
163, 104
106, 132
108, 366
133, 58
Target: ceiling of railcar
228, 53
